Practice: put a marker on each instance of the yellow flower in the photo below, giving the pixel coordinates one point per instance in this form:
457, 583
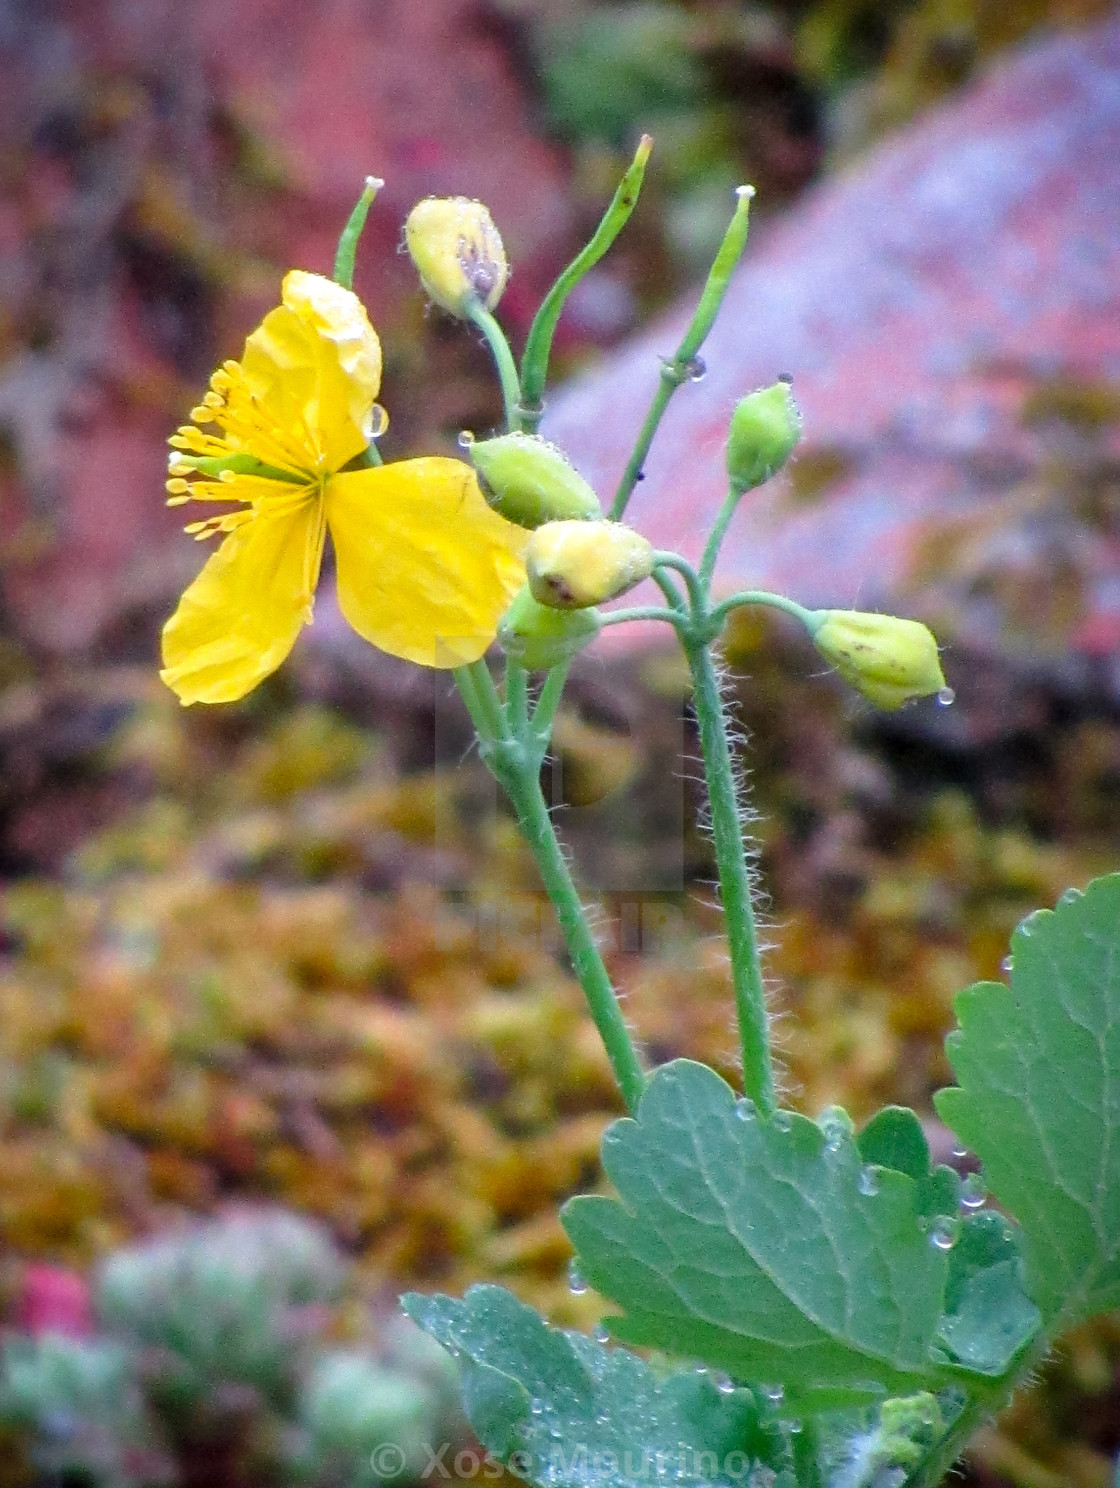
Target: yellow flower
425, 567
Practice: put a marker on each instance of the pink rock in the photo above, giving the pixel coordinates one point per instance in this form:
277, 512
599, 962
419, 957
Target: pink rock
917, 299
54, 1300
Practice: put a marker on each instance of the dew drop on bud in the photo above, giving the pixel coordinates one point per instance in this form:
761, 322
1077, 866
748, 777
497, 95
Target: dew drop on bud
466, 439
959, 1152
577, 1283
868, 1182
943, 1232
946, 696
745, 1109
973, 1192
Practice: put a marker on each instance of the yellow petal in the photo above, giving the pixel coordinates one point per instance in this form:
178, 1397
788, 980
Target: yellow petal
240, 618
425, 568
314, 367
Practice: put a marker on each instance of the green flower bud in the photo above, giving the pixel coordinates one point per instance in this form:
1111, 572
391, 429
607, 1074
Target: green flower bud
571, 565
891, 661
530, 482
538, 637
764, 429
457, 251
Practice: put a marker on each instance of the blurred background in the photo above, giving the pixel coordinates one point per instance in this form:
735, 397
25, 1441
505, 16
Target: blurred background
284, 1027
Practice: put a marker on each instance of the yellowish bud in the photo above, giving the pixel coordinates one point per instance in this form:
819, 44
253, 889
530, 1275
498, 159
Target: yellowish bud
891, 661
571, 565
530, 482
457, 251
538, 637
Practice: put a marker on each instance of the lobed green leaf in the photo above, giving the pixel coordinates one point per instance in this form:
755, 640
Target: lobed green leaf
1038, 1099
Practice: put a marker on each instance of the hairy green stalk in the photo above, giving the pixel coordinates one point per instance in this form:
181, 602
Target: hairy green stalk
513, 741
734, 876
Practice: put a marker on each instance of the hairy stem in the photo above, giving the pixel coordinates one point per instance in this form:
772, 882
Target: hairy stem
522, 785
734, 877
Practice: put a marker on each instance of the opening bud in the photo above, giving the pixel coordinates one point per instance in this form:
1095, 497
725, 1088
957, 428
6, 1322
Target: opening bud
457, 251
530, 482
571, 565
891, 661
539, 637
764, 429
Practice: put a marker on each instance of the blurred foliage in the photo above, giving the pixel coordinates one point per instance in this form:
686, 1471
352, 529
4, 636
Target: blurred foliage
224, 1355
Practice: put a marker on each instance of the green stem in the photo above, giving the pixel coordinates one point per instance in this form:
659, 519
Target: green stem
517, 698
348, 241
734, 876
662, 560
763, 597
477, 313
549, 701
673, 596
716, 536
477, 688
645, 612
538, 347
683, 365
952, 1444
522, 785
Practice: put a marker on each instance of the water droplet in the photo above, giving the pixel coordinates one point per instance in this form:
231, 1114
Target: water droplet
1071, 896
959, 1152
946, 696
378, 421
792, 1425
1026, 928
774, 1393
745, 1109
782, 1121
868, 1182
466, 439
723, 1383
701, 1369
577, 1284
1007, 963
697, 369
836, 1125
536, 1407
601, 1334
943, 1232
973, 1192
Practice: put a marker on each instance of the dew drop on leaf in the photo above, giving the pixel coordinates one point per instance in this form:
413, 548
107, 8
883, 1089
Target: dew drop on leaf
723, 1383
946, 696
577, 1283
745, 1109
868, 1182
600, 1334
783, 1121
1007, 963
466, 439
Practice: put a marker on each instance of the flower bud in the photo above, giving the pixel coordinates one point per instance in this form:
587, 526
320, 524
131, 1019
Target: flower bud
764, 429
891, 661
457, 251
537, 637
571, 565
530, 481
